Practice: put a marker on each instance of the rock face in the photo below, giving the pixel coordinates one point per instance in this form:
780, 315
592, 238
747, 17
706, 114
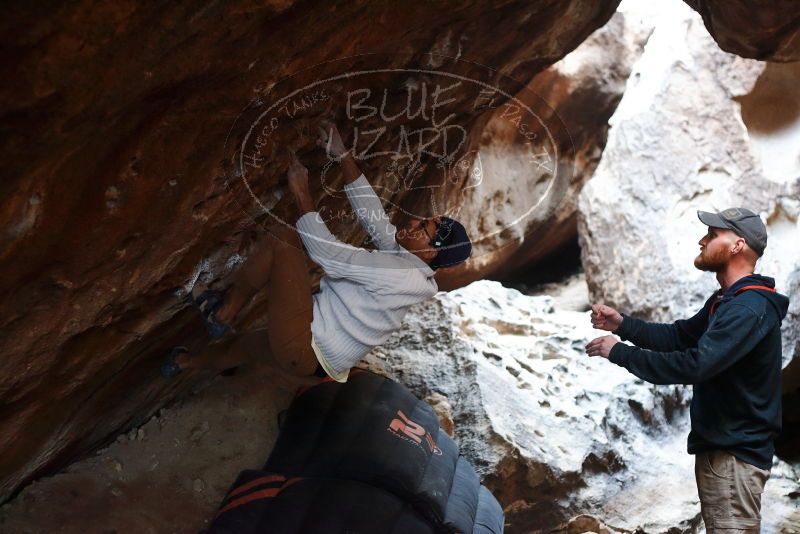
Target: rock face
554, 433
695, 130
753, 28
533, 163
122, 192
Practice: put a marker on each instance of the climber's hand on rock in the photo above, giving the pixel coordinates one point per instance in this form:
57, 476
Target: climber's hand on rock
297, 176
330, 140
601, 346
605, 317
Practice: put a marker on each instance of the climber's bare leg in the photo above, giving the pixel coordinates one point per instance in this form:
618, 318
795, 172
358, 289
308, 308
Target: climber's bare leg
277, 265
231, 352
249, 279
249, 347
290, 306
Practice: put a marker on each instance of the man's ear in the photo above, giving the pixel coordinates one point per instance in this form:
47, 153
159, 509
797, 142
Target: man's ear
738, 246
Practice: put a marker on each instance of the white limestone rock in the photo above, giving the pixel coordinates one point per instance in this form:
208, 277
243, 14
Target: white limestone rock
553, 432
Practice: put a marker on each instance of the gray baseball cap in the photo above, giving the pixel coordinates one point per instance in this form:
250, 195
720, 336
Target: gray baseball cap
743, 222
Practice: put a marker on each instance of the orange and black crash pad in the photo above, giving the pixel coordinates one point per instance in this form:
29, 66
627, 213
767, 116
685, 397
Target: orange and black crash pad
361, 456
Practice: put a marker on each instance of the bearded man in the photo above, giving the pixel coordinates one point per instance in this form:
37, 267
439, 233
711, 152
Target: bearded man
730, 352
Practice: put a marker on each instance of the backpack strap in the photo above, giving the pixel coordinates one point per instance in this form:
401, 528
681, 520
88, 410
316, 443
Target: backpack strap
740, 290
765, 288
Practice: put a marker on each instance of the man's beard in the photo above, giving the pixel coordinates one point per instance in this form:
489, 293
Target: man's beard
713, 264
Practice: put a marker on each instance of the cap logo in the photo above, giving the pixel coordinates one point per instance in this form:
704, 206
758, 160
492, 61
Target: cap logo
731, 212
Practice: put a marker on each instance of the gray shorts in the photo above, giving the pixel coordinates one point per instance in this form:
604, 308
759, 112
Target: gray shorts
730, 492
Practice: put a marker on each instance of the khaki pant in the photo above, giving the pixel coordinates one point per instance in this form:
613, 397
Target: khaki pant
730, 493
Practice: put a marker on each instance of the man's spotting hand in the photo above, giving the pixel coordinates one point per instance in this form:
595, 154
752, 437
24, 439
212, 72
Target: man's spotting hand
605, 318
297, 176
601, 346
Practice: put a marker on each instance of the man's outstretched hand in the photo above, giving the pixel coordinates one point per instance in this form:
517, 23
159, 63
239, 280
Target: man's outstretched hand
605, 317
297, 176
330, 140
601, 346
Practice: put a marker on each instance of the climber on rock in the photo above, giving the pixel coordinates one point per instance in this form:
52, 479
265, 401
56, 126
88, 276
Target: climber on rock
730, 351
364, 294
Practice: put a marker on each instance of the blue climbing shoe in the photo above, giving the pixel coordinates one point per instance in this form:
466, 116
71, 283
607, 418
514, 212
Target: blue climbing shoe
208, 302
170, 368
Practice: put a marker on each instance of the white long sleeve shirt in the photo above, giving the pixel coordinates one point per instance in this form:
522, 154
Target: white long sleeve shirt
364, 294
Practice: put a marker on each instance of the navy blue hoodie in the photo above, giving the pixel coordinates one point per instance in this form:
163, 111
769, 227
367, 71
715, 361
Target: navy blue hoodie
731, 352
